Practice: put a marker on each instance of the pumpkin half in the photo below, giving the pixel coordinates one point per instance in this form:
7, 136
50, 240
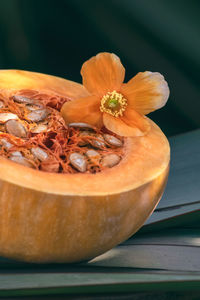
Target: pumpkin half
49, 217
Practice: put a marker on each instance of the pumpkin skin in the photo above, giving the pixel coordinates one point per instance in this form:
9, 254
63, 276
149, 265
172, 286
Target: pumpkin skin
47, 217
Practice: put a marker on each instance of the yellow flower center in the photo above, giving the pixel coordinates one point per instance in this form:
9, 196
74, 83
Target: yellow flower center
113, 103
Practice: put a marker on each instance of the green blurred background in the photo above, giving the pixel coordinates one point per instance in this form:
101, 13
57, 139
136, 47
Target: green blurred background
56, 37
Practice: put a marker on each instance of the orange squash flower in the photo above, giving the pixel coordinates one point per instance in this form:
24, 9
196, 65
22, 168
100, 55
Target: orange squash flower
119, 106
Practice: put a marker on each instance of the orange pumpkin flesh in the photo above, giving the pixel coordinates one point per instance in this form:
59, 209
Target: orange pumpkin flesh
47, 217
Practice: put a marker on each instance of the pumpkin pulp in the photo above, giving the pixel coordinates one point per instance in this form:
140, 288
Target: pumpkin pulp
33, 133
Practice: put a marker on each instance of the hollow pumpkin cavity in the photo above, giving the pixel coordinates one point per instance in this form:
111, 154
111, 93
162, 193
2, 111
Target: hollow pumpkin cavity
34, 134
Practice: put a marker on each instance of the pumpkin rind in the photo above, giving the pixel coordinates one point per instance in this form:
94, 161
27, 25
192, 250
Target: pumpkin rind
46, 217
18, 79
41, 227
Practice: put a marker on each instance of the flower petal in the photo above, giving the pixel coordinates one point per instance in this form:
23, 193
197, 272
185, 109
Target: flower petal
146, 92
103, 73
133, 118
118, 126
83, 110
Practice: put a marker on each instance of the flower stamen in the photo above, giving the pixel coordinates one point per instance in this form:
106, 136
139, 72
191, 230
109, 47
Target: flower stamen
113, 103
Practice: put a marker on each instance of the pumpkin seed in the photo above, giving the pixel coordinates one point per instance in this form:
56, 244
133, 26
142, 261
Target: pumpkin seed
110, 160
81, 125
98, 143
112, 140
4, 117
93, 155
39, 128
84, 134
37, 115
50, 166
22, 99
22, 161
78, 161
6, 144
39, 153
34, 107
16, 153
2, 104
16, 128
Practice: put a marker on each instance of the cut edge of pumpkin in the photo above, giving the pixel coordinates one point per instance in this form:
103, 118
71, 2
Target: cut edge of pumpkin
21, 79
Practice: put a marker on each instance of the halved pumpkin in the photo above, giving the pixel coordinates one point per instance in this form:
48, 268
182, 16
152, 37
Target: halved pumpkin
47, 217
